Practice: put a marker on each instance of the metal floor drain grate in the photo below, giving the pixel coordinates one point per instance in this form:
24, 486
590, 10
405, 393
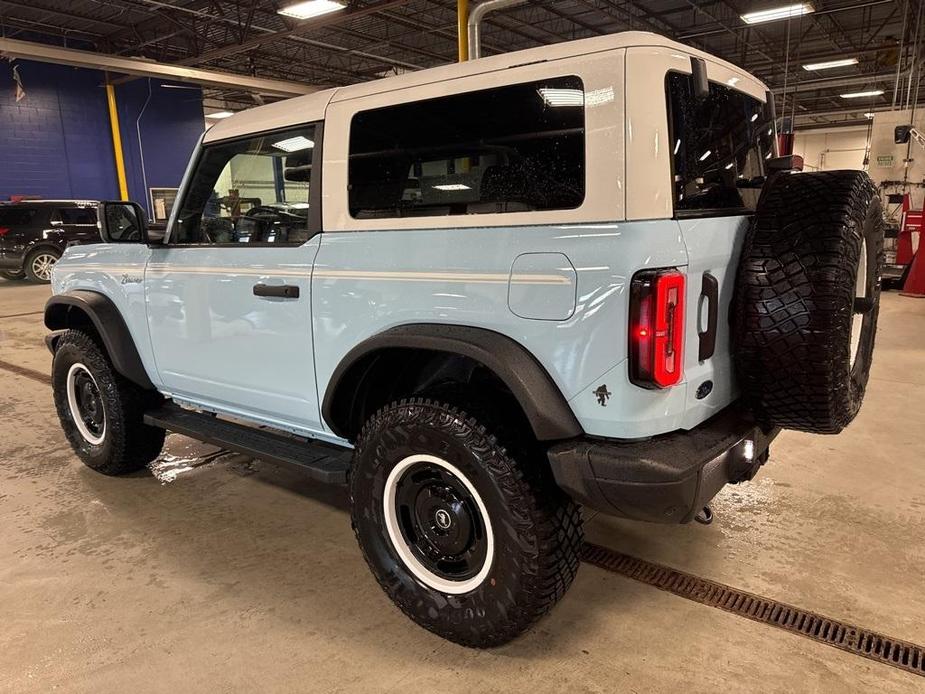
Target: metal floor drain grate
23, 371
853, 639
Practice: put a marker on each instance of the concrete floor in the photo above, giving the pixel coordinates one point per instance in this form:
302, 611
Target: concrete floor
222, 574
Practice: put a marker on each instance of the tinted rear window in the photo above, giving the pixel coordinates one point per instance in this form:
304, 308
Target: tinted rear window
517, 148
719, 145
77, 215
16, 216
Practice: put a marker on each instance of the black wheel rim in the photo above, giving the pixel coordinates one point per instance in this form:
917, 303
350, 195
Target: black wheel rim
440, 521
89, 403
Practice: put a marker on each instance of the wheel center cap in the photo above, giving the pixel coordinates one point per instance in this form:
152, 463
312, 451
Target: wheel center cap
443, 519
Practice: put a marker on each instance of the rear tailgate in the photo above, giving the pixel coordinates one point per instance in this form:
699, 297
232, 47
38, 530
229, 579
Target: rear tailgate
714, 245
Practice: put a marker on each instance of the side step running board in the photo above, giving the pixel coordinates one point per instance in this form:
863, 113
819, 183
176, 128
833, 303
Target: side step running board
321, 461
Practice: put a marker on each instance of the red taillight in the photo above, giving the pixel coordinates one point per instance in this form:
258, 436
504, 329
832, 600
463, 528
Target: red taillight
4, 231
657, 328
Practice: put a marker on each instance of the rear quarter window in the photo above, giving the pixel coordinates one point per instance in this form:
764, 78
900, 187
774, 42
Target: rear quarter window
17, 216
719, 146
516, 148
76, 215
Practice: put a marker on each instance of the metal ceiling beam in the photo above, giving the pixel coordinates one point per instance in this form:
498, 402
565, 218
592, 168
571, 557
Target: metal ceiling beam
743, 27
14, 48
833, 82
848, 111
62, 13
300, 28
728, 28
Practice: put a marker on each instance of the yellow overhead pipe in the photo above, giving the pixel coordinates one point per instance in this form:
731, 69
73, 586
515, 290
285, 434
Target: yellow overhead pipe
462, 29
117, 141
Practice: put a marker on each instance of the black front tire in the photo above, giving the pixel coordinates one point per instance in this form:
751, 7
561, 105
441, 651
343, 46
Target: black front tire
118, 441
535, 528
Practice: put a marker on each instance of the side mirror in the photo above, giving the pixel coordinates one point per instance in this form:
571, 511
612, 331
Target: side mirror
122, 222
901, 134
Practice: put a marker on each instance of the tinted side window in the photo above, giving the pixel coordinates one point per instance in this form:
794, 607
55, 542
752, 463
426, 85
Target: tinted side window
253, 190
516, 148
77, 215
16, 216
719, 143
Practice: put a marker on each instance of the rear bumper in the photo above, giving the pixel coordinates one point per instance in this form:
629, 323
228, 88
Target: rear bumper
664, 479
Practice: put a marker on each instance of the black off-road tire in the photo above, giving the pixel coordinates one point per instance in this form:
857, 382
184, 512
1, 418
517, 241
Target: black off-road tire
536, 528
127, 444
796, 300
12, 275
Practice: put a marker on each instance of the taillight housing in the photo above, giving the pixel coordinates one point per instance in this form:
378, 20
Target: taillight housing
656, 329
4, 231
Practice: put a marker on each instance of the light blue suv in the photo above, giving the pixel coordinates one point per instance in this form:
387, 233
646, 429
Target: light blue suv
483, 295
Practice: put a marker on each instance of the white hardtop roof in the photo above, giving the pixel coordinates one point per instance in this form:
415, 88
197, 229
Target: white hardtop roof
309, 108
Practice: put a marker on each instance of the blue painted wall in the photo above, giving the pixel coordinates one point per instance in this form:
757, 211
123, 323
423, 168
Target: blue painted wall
56, 142
160, 127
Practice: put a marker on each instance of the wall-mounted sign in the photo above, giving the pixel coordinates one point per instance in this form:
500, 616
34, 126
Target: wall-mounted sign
162, 200
884, 161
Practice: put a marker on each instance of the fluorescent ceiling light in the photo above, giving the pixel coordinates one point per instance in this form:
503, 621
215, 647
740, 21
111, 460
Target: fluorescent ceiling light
784, 12
311, 8
858, 95
843, 62
729, 165
294, 144
220, 114
754, 117
706, 154
562, 97
452, 186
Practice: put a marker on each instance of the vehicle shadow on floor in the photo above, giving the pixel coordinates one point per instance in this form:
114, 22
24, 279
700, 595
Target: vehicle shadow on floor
596, 596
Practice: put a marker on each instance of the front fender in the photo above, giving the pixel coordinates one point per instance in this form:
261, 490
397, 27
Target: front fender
80, 306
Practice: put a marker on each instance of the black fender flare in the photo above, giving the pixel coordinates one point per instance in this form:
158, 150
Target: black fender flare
105, 317
545, 407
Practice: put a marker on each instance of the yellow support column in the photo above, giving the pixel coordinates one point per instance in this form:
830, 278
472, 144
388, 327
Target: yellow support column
117, 141
462, 29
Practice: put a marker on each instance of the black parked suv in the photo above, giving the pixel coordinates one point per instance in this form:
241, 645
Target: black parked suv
34, 234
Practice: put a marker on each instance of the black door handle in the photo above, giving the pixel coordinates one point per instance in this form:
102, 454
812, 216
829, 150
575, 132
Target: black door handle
285, 291
710, 291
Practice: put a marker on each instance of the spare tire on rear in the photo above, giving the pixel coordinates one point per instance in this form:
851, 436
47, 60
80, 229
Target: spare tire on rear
807, 299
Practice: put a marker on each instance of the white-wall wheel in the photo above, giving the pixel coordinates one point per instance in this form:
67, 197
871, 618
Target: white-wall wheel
417, 457
85, 403
437, 523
